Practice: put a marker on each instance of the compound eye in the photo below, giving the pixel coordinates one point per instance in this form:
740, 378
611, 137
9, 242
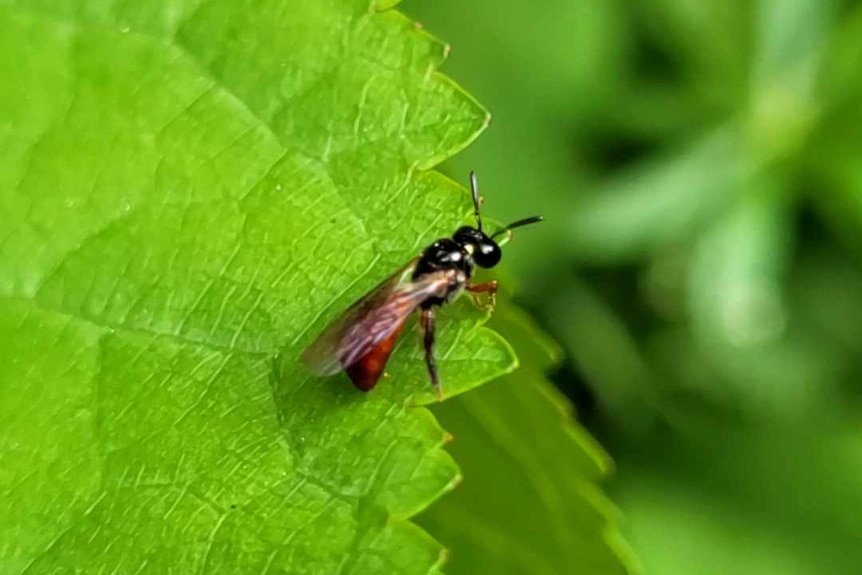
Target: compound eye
465, 232
467, 235
488, 254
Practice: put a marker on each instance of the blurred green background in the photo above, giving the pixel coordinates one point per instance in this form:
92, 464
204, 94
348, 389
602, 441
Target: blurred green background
700, 167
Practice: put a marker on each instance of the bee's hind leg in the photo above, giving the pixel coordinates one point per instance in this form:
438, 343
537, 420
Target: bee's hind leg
428, 333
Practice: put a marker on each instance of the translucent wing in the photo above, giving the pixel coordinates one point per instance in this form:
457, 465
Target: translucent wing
372, 319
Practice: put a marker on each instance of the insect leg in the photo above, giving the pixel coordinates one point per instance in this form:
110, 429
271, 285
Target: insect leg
428, 340
489, 287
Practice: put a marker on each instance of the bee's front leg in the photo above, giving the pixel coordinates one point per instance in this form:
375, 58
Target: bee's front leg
490, 288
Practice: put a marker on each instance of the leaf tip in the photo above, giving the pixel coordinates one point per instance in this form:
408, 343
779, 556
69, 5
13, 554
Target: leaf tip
442, 559
382, 5
457, 480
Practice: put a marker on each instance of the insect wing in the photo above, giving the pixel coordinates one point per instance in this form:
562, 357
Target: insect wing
323, 354
372, 319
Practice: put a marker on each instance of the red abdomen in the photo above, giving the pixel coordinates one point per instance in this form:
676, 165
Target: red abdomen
366, 372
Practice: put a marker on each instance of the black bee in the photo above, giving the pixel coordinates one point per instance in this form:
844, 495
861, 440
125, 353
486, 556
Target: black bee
361, 339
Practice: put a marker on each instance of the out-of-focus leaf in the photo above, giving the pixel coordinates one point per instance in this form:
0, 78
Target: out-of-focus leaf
739, 312
827, 292
188, 193
747, 501
839, 80
601, 346
708, 42
529, 503
832, 154
659, 203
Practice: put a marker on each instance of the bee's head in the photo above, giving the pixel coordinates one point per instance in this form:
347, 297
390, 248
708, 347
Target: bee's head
485, 251
482, 247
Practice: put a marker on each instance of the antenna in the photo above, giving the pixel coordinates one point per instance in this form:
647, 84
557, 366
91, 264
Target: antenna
518, 224
474, 185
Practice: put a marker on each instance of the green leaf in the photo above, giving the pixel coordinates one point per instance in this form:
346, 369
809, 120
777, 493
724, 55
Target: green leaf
189, 191
518, 445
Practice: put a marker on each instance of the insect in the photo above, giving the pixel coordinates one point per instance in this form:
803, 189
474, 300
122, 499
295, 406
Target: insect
361, 339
